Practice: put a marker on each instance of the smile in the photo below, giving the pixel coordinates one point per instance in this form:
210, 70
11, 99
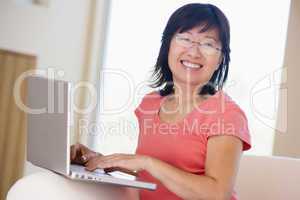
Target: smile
191, 65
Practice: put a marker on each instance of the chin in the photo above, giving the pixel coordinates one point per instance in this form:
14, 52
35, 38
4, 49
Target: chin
192, 82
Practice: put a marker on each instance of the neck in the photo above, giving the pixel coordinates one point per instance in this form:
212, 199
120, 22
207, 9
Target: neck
187, 94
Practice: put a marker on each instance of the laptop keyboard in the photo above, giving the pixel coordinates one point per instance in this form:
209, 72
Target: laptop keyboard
80, 172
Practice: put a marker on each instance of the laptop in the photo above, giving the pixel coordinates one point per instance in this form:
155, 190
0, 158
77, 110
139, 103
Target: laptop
48, 136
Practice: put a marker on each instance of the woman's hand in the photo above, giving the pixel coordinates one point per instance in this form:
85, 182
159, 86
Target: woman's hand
131, 162
80, 154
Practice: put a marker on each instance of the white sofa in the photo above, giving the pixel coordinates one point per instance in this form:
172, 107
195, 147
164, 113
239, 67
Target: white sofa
269, 178
259, 178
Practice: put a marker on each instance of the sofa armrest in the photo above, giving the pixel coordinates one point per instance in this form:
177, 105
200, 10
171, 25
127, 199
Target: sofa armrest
48, 185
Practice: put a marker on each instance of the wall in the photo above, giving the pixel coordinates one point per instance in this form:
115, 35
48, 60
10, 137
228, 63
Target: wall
55, 34
287, 143
65, 36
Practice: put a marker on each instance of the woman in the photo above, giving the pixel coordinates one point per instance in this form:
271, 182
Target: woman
191, 133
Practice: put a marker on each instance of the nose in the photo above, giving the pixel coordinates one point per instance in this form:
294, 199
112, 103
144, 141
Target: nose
194, 51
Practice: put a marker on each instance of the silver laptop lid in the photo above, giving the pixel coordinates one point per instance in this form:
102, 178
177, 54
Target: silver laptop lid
48, 124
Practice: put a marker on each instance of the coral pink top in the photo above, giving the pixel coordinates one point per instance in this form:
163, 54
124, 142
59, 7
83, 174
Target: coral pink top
184, 144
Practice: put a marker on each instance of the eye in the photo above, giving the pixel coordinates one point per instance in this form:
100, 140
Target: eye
208, 44
185, 39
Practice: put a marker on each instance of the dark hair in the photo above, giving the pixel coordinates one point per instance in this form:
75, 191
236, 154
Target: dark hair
184, 19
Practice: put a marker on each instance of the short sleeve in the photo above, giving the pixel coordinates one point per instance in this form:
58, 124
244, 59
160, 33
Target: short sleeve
137, 113
148, 105
231, 122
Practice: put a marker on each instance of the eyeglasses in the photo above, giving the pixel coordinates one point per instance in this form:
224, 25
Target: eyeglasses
206, 47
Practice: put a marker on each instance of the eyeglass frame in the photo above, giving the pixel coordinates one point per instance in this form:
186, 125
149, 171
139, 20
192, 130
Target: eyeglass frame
198, 43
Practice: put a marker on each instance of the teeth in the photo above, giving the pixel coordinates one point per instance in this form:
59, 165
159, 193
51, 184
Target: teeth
191, 65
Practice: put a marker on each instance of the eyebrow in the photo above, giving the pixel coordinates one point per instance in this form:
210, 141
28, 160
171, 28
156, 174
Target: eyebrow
211, 37
206, 36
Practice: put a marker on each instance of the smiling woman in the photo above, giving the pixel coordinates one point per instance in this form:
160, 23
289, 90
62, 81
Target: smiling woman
191, 69
191, 133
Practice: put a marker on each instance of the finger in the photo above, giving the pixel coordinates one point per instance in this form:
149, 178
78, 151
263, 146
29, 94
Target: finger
92, 165
97, 163
82, 149
73, 151
82, 152
87, 156
112, 157
113, 160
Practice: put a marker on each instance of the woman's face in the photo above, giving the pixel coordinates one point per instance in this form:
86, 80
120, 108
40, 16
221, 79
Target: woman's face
194, 56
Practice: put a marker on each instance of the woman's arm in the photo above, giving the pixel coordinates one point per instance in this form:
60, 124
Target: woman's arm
221, 167
131, 194
222, 160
